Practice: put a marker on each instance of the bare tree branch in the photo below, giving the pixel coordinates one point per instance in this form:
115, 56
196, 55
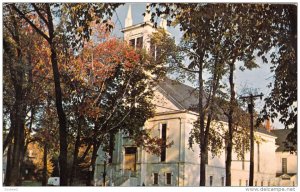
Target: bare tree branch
37, 10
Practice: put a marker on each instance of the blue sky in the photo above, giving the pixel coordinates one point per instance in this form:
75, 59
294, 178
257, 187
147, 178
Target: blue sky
257, 78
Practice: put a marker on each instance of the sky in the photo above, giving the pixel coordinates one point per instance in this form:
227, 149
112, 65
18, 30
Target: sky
256, 79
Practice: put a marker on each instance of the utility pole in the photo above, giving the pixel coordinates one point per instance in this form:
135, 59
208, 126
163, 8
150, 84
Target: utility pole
251, 110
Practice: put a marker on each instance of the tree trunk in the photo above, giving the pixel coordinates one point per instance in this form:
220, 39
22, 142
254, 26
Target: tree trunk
229, 155
230, 126
8, 166
76, 151
58, 94
44, 181
18, 112
86, 152
18, 145
203, 148
62, 122
8, 139
17, 124
92, 165
59, 107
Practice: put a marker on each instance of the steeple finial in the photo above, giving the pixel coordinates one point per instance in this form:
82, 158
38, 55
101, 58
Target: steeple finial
147, 16
128, 21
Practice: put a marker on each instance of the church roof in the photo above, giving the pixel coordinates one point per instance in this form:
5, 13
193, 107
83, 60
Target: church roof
132, 27
186, 97
182, 96
281, 138
264, 131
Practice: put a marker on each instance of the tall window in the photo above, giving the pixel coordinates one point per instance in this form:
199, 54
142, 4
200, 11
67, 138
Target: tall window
222, 181
255, 183
155, 50
284, 165
130, 158
262, 183
139, 43
168, 178
164, 138
132, 43
136, 43
155, 178
240, 182
210, 180
246, 182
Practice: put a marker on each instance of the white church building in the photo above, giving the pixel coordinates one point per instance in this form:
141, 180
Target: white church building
178, 165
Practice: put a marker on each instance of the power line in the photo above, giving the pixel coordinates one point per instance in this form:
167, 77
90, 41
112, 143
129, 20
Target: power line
118, 19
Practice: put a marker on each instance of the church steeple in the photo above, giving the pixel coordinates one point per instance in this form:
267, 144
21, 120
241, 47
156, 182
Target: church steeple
147, 16
128, 21
138, 35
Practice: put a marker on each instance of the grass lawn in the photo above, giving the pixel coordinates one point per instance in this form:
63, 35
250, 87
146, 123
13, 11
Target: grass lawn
31, 183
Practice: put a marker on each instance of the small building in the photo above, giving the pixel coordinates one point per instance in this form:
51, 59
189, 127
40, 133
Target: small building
286, 162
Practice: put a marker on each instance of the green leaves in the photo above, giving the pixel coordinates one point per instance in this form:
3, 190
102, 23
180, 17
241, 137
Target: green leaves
79, 19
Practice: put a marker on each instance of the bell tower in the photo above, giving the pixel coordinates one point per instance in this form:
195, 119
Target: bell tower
138, 35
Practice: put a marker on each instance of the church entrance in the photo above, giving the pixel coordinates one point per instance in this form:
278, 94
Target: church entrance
130, 158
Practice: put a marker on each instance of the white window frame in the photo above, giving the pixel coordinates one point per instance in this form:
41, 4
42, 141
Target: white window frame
153, 174
135, 40
211, 181
166, 178
160, 136
223, 181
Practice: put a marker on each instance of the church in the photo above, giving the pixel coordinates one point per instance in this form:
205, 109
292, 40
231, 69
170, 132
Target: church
178, 165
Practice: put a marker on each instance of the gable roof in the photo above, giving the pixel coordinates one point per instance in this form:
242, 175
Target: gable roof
186, 97
281, 138
182, 96
265, 131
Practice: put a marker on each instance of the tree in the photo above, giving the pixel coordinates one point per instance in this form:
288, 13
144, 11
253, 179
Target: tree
201, 34
278, 38
78, 20
42, 164
19, 61
45, 136
107, 80
123, 84
15, 56
238, 33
